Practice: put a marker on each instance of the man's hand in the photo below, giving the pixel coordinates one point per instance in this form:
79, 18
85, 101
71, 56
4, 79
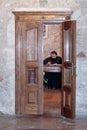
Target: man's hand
49, 63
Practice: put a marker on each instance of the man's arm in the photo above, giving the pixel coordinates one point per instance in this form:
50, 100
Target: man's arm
46, 61
59, 60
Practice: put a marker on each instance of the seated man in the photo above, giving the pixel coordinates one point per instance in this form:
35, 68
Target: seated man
54, 78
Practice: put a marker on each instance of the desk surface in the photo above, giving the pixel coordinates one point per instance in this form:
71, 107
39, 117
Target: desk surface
52, 68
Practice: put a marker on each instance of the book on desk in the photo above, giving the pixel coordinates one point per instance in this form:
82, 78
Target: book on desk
52, 68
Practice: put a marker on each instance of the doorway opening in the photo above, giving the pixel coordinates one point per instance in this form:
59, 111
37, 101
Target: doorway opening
52, 42
29, 61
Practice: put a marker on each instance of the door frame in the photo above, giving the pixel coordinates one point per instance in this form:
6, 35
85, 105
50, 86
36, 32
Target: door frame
46, 16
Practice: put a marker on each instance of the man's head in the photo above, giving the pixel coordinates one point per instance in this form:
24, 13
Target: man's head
53, 54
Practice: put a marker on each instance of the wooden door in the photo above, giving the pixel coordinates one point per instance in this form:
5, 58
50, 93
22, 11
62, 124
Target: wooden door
29, 72
69, 69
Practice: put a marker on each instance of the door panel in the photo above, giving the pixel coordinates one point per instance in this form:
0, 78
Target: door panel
31, 44
69, 69
67, 45
31, 65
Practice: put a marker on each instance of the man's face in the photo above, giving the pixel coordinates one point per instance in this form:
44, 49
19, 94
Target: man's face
53, 56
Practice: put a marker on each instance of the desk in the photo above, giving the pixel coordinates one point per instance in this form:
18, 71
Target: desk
52, 68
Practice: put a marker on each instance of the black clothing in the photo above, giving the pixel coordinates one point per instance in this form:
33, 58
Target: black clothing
54, 78
57, 60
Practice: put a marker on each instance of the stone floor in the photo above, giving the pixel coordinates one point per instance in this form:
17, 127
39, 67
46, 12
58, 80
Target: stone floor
51, 120
41, 123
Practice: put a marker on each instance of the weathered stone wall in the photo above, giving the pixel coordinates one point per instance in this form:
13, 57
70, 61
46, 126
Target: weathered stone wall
7, 47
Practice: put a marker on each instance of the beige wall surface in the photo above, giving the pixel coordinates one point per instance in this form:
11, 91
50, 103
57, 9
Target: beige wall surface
7, 47
53, 40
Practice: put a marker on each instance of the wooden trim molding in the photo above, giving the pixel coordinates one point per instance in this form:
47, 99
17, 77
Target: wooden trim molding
42, 16
21, 18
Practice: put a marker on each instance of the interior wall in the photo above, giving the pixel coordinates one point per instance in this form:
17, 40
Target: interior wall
52, 40
7, 47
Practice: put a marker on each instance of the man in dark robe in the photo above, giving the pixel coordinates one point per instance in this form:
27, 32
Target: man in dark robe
54, 78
